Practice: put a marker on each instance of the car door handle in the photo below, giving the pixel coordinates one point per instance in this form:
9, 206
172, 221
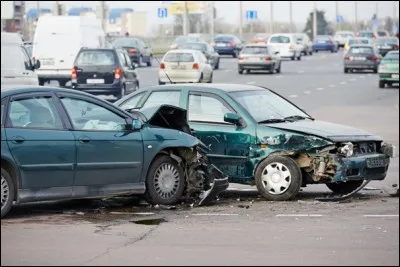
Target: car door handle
17, 140
84, 139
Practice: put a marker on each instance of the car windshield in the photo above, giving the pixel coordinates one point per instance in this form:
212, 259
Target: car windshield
392, 56
183, 39
279, 40
266, 105
260, 36
179, 57
361, 50
367, 34
29, 49
122, 42
255, 50
383, 41
194, 46
101, 58
12, 57
223, 39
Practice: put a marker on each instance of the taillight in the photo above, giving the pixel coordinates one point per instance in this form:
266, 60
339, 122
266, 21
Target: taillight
195, 66
231, 44
162, 66
118, 73
395, 47
268, 58
346, 58
374, 58
132, 51
73, 74
240, 57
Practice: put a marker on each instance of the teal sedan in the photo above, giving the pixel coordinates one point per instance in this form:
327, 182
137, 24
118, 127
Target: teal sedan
389, 69
62, 144
258, 137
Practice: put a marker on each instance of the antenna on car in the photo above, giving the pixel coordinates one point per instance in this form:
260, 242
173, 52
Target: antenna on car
159, 63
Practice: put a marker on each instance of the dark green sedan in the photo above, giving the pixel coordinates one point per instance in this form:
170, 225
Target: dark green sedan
258, 137
63, 144
389, 69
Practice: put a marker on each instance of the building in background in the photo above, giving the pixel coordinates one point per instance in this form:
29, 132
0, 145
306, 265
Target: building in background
12, 16
135, 23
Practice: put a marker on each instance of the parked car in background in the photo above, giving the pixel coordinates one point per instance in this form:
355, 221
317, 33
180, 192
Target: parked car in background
367, 34
287, 45
184, 39
260, 38
227, 45
361, 57
57, 41
206, 49
342, 37
367, 41
389, 69
184, 66
305, 41
259, 57
16, 64
138, 51
382, 34
62, 144
107, 71
387, 44
258, 137
325, 43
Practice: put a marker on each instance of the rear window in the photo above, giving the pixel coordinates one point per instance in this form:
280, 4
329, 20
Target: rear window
361, 50
179, 57
256, 50
367, 34
125, 42
387, 41
279, 40
394, 56
96, 58
381, 34
323, 38
223, 39
359, 41
200, 47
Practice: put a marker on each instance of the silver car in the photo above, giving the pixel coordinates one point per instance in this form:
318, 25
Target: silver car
259, 57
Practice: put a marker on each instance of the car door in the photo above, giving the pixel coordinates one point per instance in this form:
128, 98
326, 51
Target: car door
108, 154
40, 144
229, 144
129, 74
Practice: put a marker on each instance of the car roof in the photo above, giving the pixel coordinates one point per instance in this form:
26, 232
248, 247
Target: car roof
363, 45
222, 87
8, 90
257, 45
182, 51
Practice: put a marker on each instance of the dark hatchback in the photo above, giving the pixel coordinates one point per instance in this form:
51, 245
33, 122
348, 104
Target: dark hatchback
137, 50
104, 72
227, 45
206, 49
362, 57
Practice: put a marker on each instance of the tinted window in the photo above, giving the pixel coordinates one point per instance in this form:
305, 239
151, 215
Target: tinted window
263, 105
367, 34
132, 102
200, 47
393, 56
35, 112
279, 40
382, 34
104, 58
361, 50
206, 109
88, 116
179, 57
163, 98
256, 50
223, 39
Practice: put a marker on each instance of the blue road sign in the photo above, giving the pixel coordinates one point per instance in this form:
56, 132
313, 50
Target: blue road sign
162, 12
395, 29
339, 19
251, 14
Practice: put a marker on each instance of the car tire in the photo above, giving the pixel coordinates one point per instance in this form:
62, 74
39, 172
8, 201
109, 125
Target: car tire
346, 70
293, 58
62, 83
299, 57
240, 71
217, 65
41, 82
285, 168
381, 84
344, 187
150, 61
122, 92
211, 79
278, 70
7, 194
310, 53
160, 82
375, 70
201, 78
390, 84
316, 51
234, 55
167, 169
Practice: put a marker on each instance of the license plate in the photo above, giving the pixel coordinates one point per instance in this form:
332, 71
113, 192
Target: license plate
47, 61
321, 42
360, 58
395, 76
254, 59
221, 45
180, 67
377, 162
95, 81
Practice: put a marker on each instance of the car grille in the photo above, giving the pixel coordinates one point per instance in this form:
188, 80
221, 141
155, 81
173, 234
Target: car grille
364, 148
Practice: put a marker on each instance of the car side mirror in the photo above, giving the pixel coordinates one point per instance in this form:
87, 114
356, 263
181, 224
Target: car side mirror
37, 64
276, 53
136, 124
232, 118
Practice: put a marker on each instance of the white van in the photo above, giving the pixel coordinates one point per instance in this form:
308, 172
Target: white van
57, 41
16, 66
287, 45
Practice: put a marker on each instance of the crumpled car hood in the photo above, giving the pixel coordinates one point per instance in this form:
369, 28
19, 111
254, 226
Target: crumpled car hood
328, 130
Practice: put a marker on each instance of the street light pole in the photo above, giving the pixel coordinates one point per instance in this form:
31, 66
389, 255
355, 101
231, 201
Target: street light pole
185, 19
103, 14
315, 20
241, 19
291, 18
271, 27
356, 15
212, 19
337, 14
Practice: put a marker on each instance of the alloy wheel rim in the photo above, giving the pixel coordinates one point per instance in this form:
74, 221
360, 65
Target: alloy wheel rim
5, 192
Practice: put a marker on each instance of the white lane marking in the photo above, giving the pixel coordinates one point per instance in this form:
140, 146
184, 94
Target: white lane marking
331, 85
362, 76
342, 82
227, 70
215, 214
320, 88
379, 215
252, 82
293, 96
307, 92
299, 215
300, 71
279, 76
353, 79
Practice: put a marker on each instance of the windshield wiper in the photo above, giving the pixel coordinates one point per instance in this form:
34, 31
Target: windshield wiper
273, 121
297, 117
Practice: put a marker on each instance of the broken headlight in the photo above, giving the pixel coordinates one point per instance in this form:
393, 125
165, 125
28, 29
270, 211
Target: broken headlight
388, 150
347, 149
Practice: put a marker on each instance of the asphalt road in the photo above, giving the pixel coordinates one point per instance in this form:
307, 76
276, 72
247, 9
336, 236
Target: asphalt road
241, 229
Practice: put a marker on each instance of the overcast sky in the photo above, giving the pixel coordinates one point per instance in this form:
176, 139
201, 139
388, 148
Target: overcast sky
229, 11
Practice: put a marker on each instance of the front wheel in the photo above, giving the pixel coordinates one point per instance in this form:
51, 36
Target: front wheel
345, 187
7, 192
150, 61
381, 84
278, 178
278, 70
122, 92
240, 71
217, 65
165, 182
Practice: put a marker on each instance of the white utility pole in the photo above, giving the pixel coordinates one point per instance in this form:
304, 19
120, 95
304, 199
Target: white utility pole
290, 17
356, 15
315, 20
395, 8
271, 26
57, 8
185, 19
103, 15
38, 9
337, 14
241, 19
212, 19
